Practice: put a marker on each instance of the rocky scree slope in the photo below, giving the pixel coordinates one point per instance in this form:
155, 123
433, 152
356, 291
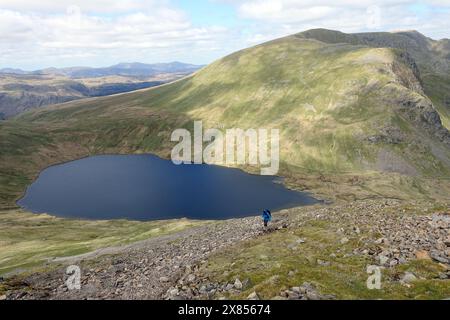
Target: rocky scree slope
204, 262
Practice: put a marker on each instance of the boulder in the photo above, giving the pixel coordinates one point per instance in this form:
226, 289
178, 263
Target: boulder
238, 284
409, 277
253, 296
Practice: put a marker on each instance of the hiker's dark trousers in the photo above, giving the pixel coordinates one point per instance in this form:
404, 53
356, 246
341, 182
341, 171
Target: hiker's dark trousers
266, 222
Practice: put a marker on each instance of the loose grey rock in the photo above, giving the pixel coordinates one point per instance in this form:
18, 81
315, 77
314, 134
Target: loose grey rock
278, 298
439, 258
238, 284
253, 296
443, 276
447, 241
312, 295
190, 278
229, 287
393, 262
173, 292
409, 277
323, 263
383, 259
292, 295
246, 284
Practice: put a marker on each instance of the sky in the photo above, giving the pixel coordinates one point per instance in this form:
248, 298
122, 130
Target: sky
63, 33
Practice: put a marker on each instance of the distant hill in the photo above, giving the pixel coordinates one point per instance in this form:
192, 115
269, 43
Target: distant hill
21, 90
134, 69
12, 71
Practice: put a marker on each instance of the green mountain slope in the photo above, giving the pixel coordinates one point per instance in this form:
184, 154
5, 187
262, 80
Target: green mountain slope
341, 109
432, 58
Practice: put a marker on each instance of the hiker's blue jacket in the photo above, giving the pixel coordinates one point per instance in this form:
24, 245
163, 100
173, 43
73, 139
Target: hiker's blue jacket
267, 216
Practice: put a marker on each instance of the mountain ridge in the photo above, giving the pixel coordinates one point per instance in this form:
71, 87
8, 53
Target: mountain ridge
431, 56
123, 68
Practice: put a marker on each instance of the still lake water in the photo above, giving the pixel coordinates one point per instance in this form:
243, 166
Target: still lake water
145, 187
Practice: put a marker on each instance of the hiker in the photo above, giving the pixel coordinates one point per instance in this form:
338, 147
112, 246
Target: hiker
267, 216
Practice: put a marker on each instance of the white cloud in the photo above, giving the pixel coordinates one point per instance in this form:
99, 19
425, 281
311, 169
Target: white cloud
283, 12
444, 3
89, 6
100, 32
275, 18
74, 37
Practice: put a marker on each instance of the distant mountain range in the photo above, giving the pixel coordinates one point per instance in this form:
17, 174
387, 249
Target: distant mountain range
23, 90
134, 69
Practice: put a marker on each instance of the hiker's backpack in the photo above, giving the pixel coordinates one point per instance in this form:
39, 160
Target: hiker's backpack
267, 215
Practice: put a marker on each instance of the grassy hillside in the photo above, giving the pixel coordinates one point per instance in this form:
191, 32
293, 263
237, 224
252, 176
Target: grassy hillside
342, 110
313, 252
29, 240
432, 58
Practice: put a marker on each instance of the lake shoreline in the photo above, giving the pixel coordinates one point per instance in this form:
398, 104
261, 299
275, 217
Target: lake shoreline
276, 183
